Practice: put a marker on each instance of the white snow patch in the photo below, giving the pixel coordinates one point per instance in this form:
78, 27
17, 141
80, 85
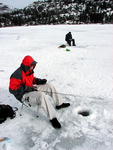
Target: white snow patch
85, 73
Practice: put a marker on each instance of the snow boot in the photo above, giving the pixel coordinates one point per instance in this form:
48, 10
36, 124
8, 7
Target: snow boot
64, 105
55, 123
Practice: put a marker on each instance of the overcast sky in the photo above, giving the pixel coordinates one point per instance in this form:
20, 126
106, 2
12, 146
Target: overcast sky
17, 3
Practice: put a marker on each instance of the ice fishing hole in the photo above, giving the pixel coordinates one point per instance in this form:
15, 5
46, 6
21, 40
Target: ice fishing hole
84, 113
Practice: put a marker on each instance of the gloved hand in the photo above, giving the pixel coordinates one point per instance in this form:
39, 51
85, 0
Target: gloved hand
40, 81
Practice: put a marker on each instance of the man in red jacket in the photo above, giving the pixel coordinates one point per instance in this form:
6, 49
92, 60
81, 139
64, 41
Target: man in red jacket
34, 91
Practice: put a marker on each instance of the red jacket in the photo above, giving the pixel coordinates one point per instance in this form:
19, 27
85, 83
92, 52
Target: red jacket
22, 80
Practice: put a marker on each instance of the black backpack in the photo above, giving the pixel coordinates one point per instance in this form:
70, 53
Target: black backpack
6, 111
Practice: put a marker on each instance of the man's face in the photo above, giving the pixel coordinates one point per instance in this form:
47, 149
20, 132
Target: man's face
32, 67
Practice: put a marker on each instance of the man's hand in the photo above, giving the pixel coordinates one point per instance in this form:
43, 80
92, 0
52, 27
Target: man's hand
40, 81
43, 81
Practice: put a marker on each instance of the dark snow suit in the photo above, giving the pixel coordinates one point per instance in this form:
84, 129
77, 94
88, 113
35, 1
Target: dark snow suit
69, 39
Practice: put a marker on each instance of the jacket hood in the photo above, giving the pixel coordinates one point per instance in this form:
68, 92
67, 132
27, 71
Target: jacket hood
27, 62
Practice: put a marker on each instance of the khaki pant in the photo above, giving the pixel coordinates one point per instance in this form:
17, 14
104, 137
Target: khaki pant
46, 97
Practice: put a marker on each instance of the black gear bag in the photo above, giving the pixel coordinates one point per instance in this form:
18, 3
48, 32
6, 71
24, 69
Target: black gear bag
6, 111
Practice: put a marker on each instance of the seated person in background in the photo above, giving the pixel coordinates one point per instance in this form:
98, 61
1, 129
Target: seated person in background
69, 39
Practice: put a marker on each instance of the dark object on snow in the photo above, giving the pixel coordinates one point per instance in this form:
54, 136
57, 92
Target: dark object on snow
6, 111
84, 113
62, 46
69, 39
64, 105
67, 49
55, 123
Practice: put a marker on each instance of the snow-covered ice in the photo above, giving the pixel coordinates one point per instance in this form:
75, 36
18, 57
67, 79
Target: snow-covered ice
85, 73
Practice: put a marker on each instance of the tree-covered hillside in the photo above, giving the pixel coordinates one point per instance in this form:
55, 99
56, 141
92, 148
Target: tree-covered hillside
60, 12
